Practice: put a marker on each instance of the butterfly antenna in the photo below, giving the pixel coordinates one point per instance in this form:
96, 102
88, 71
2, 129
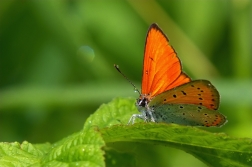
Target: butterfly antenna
117, 68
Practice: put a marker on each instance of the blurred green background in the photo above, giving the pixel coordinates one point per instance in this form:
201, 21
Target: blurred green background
56, 62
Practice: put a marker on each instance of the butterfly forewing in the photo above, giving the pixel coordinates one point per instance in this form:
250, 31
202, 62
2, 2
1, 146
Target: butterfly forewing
198, 92
162, 67
182, 79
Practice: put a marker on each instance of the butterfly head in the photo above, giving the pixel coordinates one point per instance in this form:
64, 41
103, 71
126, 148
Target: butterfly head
142, 104
143, 101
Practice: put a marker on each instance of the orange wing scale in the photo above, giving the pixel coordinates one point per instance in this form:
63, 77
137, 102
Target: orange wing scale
162, 68
182, 79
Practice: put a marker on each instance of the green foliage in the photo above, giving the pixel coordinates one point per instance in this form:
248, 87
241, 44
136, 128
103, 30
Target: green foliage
107, 125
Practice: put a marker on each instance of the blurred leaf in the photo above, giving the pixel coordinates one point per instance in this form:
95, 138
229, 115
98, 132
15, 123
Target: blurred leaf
115, 158
15, 97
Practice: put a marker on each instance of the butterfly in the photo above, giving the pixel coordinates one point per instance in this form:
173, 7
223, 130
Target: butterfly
168, 95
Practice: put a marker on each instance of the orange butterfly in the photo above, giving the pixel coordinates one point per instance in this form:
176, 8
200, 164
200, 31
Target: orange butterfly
168, 94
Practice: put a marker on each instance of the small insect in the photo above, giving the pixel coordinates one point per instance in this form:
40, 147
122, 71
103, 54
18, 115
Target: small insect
168, 94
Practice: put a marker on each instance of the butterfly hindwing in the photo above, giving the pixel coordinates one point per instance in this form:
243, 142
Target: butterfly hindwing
188, 114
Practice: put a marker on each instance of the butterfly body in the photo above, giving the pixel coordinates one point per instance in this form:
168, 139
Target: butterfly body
168, 94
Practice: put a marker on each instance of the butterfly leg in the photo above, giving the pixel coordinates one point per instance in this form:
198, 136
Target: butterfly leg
134, 116
150, 113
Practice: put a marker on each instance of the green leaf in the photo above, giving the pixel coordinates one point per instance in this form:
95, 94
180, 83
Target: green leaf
80, 149
118, 111
108, 125
16, 154
212, 148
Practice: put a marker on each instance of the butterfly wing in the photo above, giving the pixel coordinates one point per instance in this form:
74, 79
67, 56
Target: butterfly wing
198, 92
194, 103
188, 114
162, 68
